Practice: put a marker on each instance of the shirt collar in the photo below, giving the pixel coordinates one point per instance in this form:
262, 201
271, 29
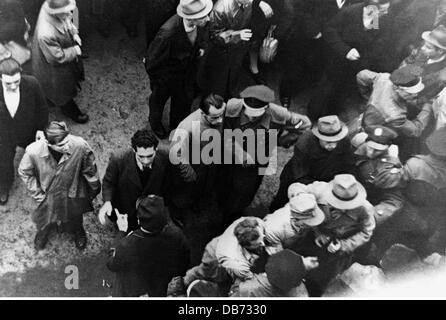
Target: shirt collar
187, 27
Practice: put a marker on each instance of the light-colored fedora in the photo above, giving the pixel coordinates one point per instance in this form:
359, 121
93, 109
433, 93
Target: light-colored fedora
330, 129
344, 192
304, 208
194, 9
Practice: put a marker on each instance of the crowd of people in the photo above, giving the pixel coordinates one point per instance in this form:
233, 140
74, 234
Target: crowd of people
351, 190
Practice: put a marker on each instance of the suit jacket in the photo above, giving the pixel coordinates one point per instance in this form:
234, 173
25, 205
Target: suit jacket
122, 185
171, 54
145, 263
32, 115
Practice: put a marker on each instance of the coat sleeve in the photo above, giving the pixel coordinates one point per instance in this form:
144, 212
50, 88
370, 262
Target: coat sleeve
111, 178
413, 128
332, 36
28, 174
90, 172
391, 202
367, 227
157, 54
41, 111
54, 53
116, 259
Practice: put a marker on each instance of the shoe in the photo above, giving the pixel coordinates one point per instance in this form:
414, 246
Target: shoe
72, 111
40, 240
80, 239
4, 196
286, 101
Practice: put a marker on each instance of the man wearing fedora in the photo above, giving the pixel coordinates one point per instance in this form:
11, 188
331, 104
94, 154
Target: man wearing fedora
349, 224
56, 56
392, 100
431, 57
259, 120
319, 155
146, 259
293, 221
171, 62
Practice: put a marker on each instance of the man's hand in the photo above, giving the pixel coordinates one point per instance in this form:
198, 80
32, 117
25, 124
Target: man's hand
353, 55
188, 173
318, 36
310, 263
122, 222
78, 50
106, 209
321, 240
245, 34
40, 135
334, 246
300, 121
266, 8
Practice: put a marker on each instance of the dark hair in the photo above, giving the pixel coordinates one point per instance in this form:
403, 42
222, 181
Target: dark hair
144, 139
211, 100
246, 231
9, 67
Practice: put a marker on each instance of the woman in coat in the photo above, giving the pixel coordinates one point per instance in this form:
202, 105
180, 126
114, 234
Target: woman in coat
56, 55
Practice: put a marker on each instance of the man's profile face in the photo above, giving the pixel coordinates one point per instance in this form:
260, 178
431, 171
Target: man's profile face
145, 156
371, 152
259, 242
215, 116
403, 94
11, 83
431, 51
201, 22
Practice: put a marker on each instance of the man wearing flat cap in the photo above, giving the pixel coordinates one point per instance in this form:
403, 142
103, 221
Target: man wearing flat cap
349, 224
319, 155
431, 57
61, 174
392, 99
259, 120
146, 259
379, 166
171, 62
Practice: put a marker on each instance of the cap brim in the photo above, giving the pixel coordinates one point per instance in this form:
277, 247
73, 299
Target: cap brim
341, 135
427, 37
199, 15
377, 146
357, 202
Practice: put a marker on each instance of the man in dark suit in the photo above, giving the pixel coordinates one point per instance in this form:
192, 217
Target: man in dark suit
23, 114
171, 62
148, 258
131, 174
352, 37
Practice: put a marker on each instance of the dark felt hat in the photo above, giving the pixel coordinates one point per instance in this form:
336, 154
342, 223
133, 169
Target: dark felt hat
285, 270
381, 135
260, 92
152, 213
